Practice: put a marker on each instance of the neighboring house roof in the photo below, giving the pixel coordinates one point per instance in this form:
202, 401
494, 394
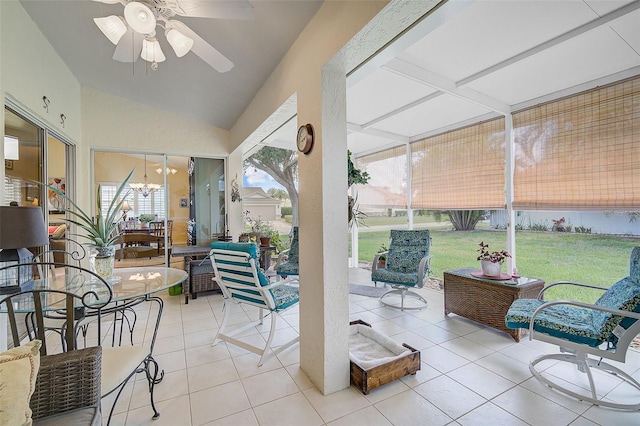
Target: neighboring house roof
256, 195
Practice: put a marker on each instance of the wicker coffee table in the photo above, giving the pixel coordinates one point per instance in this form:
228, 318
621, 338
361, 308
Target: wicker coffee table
485, 300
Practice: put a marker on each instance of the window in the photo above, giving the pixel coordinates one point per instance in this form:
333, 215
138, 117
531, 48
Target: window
153, 204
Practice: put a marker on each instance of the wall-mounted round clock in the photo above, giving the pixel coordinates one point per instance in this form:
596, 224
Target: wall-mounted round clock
305, 138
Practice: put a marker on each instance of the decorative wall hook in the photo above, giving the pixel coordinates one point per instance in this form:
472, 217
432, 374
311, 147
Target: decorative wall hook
62, 119
46, 103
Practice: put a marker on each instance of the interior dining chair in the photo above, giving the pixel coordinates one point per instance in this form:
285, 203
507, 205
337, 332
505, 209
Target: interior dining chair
70, 298
586, 333
242, 282
407, 266
287, 262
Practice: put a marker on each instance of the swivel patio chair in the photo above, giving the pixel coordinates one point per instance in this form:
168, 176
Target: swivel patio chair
407, 266
287, 262
242, 282
604, 329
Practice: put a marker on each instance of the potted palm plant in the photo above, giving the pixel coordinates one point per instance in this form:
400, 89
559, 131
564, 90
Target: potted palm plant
101, 232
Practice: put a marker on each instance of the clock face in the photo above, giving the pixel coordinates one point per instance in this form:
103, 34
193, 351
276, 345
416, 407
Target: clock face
305, 138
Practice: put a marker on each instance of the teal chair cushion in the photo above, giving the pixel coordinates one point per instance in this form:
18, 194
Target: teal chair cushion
290, 267
566, 322
251, 248
283, 296
584, 325
392, 277
406, 250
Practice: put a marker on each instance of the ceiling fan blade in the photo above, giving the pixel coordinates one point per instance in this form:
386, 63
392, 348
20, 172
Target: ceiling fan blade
129, 47
204, 50
221, 9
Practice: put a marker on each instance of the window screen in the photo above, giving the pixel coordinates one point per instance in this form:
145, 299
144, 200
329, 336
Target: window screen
460, 170
581, 152
387, 184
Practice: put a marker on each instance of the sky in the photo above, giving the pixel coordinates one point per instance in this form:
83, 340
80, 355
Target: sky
256, 177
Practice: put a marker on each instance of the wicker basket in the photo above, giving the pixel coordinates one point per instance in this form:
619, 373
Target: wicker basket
200, 279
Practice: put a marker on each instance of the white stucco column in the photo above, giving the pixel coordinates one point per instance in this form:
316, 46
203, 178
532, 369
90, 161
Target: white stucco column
323, 234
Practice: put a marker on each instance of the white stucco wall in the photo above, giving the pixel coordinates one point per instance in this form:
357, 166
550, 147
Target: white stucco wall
32, 69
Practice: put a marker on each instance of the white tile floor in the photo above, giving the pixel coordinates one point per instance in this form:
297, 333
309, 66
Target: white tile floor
470, 375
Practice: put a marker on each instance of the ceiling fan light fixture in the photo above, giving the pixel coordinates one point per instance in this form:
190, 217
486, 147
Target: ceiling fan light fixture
151, 51
180, 43
140, 17
112, 27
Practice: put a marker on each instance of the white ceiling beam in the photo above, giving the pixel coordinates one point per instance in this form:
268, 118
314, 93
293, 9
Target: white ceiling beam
416, 73
455, 126
403, 108
624, 10
356, 128
428, 23
569, 91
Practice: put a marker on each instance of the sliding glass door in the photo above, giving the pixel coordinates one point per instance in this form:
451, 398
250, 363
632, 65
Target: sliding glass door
182, 197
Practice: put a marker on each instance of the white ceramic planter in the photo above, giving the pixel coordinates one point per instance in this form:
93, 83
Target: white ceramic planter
490, 269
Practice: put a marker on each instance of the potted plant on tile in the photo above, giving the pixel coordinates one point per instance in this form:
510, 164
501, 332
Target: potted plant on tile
491, 262
101, 232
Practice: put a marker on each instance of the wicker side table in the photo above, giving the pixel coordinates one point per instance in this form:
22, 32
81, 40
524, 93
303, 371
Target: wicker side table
200, 279
484, 300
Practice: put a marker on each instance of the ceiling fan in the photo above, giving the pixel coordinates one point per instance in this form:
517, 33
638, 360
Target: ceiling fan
134, 34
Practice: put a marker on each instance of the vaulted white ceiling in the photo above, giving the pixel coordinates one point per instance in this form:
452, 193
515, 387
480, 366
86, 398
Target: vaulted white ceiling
185, 86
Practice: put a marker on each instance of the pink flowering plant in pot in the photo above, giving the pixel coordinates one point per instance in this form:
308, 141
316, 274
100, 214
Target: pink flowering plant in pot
491, 262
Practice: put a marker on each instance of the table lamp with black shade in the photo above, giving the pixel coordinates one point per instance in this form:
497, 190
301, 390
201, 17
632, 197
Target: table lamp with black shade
20, 227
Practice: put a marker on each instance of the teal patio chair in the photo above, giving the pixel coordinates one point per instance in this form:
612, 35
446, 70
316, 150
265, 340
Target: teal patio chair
242, 281
287, 263
407, 266
603, 329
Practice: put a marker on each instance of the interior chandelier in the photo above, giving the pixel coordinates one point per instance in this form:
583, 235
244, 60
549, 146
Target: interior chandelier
145, 188
134, 34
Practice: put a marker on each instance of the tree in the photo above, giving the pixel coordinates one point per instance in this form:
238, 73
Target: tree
465, 220
277, 193
282, 166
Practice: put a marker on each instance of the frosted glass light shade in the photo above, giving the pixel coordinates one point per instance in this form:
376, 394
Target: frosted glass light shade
11, 148
140, 17
112, 27
181, 43
151, 51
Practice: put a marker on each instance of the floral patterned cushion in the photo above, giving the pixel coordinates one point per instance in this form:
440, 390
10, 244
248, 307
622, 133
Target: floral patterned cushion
563, 321
285, 296
623, 295
293, 250
388, 276
406, 250
290, 267
583, 325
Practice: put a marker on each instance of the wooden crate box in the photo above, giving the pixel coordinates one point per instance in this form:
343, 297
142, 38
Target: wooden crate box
369, 377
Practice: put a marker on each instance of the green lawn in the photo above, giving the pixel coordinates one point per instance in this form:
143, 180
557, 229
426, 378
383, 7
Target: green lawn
594, 259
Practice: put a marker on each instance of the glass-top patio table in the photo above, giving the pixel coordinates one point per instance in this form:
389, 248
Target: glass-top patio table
130, 287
